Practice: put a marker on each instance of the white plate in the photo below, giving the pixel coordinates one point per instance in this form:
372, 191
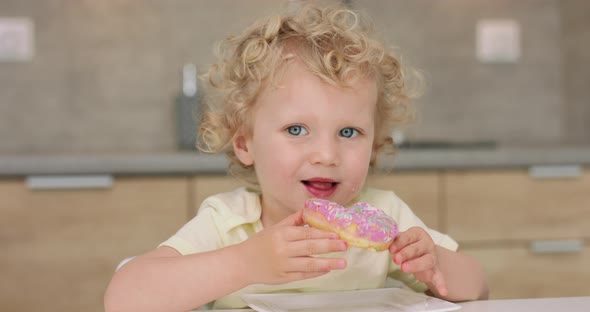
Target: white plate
371, 300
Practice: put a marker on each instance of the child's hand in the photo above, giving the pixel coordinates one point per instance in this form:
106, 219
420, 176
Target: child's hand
283, 253
415, 252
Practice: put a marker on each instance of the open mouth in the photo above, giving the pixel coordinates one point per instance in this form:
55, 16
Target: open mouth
320, 187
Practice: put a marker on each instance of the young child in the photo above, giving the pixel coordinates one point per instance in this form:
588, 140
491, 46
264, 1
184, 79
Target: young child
303, 104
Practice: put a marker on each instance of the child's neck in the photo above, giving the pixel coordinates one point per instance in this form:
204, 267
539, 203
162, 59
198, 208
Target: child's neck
270, 217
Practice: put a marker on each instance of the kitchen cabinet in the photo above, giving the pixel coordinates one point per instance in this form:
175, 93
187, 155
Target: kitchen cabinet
516, 271
60, 247
512, 205
529, 233
420, 190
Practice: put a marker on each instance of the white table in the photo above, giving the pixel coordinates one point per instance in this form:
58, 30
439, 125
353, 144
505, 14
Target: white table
566, 304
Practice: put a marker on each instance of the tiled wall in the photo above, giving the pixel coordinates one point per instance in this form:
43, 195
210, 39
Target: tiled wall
470, 100
575, 15
105, 73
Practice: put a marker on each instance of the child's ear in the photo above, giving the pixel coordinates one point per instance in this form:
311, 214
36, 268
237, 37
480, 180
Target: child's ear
240, 144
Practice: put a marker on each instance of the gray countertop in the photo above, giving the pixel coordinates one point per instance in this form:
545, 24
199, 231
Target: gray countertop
195, 163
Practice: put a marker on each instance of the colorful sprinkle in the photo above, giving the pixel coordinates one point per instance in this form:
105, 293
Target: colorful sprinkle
371, 223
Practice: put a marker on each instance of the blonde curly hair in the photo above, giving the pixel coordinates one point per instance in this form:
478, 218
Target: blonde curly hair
332, 42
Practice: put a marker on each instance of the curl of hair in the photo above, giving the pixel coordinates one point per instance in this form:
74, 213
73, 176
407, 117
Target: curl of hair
332, 42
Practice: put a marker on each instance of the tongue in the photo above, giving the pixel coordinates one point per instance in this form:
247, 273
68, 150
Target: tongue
320, 185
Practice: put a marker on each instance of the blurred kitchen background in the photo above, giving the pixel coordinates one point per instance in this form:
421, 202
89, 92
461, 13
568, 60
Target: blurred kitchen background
97, 108
104, 75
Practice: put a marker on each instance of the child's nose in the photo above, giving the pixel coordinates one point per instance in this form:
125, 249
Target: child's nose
325, 152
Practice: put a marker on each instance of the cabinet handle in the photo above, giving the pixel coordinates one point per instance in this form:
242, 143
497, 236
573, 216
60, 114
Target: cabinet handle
56, 182
556, 246
555, 172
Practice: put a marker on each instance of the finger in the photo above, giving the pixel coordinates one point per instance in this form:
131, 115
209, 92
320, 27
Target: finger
405, 238
425, 277
295, 233
315, 264
423, 263
295, 219
412, 251
435, 281
310, 247
296, 276
438, 281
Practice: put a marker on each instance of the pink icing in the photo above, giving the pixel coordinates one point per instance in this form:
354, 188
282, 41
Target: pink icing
372, 223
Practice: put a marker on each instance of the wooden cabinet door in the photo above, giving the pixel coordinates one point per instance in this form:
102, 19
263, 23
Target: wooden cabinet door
511, 205
517, 272
420, 190
61, 247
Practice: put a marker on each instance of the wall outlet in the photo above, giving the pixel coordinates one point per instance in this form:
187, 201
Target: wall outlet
16, 39
498, 41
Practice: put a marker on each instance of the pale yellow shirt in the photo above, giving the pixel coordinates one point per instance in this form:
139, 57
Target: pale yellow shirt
230, 218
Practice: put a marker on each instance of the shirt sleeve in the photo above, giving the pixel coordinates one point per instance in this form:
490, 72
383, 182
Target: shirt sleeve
443, 240
200, 234
223, 219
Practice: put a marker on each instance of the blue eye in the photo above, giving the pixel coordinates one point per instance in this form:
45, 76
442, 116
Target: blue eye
297, 130
349, 132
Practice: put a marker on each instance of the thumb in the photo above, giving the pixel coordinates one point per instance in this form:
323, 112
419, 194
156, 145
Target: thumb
439, 282
295, 219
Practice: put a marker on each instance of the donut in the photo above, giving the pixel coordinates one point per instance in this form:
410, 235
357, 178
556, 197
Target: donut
361, 225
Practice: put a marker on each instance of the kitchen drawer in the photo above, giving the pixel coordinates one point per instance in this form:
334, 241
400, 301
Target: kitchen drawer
512, 205
420, 190
517, 272
60, 247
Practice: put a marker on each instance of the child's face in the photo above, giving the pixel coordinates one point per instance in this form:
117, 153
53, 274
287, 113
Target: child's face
310, 139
